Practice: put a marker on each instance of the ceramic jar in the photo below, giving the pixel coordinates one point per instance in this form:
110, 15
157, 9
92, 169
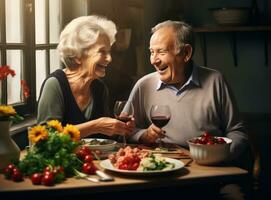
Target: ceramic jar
9, 150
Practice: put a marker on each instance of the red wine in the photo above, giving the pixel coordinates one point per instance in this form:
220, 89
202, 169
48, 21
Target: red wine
124, 118
160, 121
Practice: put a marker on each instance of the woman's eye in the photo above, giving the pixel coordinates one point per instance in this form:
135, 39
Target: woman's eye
102, 52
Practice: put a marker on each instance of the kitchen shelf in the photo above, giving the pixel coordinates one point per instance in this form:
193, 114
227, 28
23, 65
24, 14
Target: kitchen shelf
232, 30
212, 29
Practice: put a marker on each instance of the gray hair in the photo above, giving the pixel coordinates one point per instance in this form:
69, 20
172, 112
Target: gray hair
82, 32
184, 33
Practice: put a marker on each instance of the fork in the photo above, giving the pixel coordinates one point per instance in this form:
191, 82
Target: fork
92, 179
103, 176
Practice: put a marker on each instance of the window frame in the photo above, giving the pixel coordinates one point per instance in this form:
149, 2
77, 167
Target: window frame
28, 47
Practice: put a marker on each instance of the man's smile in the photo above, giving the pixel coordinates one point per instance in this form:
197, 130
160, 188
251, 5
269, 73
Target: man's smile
161, 69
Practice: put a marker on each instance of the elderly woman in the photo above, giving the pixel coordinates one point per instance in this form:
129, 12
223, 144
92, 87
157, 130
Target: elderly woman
76, 95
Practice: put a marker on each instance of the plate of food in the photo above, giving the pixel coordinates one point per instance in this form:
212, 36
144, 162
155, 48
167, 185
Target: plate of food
103, 145
133, 160
170, 163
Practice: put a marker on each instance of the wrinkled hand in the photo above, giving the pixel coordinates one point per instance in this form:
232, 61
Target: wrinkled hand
111, 126
152, 134
130, 126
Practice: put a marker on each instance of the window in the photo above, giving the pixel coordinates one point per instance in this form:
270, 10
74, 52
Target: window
29, 32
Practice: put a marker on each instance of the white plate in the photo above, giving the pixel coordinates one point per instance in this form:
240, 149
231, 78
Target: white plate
106, 164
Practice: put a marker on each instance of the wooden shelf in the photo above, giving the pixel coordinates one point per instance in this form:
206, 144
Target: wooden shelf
211, 29
202, 31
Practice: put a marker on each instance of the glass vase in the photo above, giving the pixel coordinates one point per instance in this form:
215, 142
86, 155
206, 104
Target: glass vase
9, 150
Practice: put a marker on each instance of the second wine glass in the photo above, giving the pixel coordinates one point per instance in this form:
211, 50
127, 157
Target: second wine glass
124, 111
160, 116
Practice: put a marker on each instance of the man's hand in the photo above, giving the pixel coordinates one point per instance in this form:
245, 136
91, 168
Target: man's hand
152, 134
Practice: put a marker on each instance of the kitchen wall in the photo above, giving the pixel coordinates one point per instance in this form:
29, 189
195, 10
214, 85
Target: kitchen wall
250, 79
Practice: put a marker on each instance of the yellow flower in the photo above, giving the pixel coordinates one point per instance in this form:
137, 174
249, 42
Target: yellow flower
56, 125
37, 133
72, 131
7, 111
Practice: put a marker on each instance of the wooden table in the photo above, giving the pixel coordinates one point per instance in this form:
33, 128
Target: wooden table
192, 174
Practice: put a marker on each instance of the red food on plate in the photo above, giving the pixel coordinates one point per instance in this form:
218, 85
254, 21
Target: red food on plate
127, 158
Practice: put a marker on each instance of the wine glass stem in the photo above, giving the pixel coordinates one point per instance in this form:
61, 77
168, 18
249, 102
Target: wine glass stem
160, 142
124, 141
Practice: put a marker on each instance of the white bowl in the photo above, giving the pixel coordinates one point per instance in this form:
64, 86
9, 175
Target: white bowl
231, 16
205, 154
103, 145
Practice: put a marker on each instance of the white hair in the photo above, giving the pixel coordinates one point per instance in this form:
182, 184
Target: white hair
184, 33
82, 32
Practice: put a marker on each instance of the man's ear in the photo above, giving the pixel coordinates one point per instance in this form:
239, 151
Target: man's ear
187, 53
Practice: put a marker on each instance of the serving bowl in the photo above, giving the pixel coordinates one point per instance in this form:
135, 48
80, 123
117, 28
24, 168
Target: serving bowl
103, 145
209, 154
231, 16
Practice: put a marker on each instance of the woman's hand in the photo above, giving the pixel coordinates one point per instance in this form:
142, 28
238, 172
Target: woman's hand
130, 126
111, 126
152, 134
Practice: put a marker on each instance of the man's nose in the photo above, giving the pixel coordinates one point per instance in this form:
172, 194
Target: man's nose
154, 59
108, 58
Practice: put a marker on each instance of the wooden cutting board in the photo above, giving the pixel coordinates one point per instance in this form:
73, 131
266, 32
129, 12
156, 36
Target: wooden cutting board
167, 150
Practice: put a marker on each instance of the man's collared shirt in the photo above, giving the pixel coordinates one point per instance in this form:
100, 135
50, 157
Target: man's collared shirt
193, 79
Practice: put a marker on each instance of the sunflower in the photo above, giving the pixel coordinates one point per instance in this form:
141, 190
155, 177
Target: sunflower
7, 111
55, 124
37, 133
72, 131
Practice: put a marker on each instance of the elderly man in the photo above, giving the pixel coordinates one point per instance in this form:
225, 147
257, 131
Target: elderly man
199, 98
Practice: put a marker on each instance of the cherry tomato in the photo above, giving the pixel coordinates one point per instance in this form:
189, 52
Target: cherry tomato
206, 135
208, 139
210, 142
60, 169
81, 153
89, 168
15, 169
88, 158
47, 169
11, 166
17, 175
197, 141
48, 179
86, 149
36, 178
204, 140
8, 171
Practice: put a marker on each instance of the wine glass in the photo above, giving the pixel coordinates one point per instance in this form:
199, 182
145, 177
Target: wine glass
124, 111
160, 116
